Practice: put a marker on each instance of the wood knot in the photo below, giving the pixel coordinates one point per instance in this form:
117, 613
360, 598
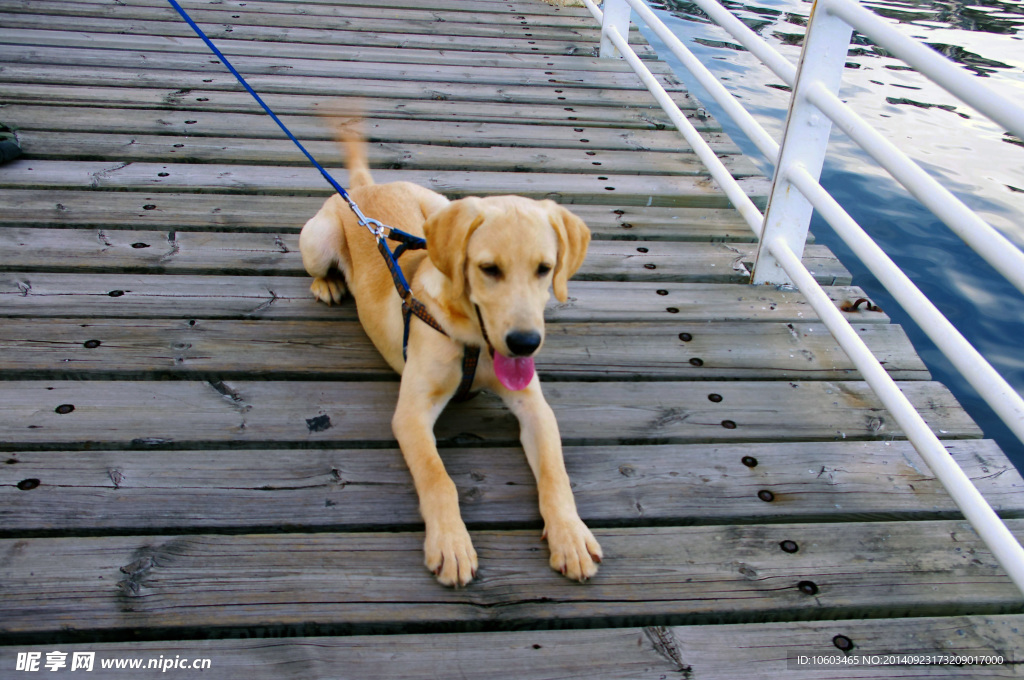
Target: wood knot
136, 572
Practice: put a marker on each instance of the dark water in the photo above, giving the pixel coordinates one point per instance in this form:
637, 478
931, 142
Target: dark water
972, 157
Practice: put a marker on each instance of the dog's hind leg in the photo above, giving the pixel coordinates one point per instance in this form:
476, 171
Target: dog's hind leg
325, 252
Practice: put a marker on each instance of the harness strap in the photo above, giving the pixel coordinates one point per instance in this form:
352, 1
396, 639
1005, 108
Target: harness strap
470, 358
470, 353
410, 307
401, 285
413, 307
405, 241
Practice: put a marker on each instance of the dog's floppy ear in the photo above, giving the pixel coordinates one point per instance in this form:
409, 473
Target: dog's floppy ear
573, 238
447, 232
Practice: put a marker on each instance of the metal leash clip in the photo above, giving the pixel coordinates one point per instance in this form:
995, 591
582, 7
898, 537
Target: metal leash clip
376, 227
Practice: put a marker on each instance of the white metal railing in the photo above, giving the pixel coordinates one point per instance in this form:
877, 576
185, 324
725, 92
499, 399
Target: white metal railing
614, 41
1002, 254
796, 193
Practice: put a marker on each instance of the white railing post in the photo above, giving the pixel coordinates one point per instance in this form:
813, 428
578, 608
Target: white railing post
804, 142
616, 16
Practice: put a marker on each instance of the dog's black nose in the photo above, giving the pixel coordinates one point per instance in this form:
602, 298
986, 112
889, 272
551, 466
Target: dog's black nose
522, 343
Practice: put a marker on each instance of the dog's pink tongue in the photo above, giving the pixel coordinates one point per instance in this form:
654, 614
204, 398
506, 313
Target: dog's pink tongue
514, 373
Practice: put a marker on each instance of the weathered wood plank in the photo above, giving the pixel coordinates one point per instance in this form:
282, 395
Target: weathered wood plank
258, 126
161, 22
326, 87
50, 145
99, 348
313, 489
460, 30
768, 651
189, 413
119, 296
282, 214
530, 10
489, 6
98, 57
561, 46
551, 113
352, 582
91, 250
333, 7
527, 7
695, 192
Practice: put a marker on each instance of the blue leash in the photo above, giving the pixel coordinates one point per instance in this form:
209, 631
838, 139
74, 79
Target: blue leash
410, 305
259, 100
408, 241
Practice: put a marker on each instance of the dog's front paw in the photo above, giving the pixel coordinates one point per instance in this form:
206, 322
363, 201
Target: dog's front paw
329, 289
449, 554
575, 553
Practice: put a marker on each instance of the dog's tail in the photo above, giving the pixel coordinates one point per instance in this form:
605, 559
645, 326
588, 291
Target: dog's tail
350, 134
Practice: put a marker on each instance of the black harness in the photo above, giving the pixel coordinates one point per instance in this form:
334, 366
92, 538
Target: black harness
413, 307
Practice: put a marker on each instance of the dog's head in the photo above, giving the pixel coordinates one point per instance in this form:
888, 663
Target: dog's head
502, 254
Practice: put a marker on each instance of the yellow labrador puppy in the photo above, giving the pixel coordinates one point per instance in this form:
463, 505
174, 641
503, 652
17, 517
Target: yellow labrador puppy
485, 278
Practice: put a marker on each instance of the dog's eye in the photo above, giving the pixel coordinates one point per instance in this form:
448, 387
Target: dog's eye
492, 270
543, 269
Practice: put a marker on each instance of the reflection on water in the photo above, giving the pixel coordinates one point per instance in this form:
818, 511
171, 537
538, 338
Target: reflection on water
986, 17
974, 158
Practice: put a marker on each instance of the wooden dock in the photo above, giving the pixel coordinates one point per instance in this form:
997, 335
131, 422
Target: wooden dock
197, 459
